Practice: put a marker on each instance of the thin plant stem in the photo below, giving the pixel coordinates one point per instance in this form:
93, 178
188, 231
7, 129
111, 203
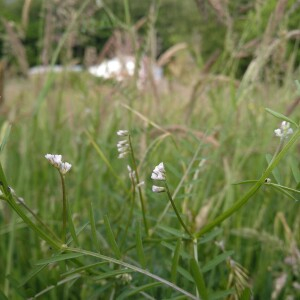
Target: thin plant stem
139, 188
195, 254
176, 211
64, 213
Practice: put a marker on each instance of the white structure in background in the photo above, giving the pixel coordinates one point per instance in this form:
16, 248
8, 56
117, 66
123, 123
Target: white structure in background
38, 70
120, 68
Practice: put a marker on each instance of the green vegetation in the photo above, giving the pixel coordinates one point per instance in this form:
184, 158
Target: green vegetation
225, 224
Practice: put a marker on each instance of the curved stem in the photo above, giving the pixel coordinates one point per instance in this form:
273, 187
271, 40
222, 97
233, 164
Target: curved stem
243, 200
139, 188
64, 213
176, 211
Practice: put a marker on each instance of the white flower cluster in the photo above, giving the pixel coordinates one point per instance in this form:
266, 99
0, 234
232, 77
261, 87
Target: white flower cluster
56, 161
159, 173
123, 146
284, 131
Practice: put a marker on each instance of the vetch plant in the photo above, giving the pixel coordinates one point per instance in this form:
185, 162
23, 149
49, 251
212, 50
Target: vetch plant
284, 131
124, 148
62, 167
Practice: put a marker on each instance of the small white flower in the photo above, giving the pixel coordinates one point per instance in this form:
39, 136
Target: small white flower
122, 155
158, 189
122, 132
284, 131
159, 172
64, 168
54, 159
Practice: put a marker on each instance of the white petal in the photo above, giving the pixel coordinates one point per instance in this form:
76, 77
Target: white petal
158, 189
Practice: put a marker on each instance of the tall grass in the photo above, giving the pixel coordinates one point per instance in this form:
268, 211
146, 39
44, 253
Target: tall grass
108, 253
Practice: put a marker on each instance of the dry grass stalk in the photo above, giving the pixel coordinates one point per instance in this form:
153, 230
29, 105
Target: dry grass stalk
2, 68
17, 48
168, 54
25, 13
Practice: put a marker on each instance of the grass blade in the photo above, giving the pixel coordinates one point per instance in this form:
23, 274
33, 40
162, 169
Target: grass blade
280, 116
139, 247
175, 261
111, 238
198, 278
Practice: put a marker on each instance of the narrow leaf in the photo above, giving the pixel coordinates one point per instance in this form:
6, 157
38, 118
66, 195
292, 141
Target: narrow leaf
4, 134
134, 291
139, 246
198, 278
280, 116
216, 261
246, 294
210, 236
93, 227
60, 257
175, 261
111, 238
112, 274
295, 170
220, 294
72, 227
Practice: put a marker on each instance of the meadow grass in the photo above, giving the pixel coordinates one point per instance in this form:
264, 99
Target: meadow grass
207, 237
79, 119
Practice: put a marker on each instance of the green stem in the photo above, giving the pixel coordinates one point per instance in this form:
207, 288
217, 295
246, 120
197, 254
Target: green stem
243, 200
64, 213
176, 211
139, 188
55, 243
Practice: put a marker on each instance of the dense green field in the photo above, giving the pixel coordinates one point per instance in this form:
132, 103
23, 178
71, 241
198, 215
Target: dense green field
225, 224
224, 140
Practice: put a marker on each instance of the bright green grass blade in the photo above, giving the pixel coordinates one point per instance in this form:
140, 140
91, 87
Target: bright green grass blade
295, 170
134, 291
198, 278
57, 258
244, 182
216, 261
246, 294
84, 268
185, 273
72, 227
113, 273
2, 296
111, 238
95, 239
280, 116
173, 232
175, 261
220, 294
283, 191
183, 253
32, 273
139, 246
210, 236
136, 269
4, 134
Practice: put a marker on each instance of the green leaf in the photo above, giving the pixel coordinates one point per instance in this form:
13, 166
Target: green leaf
220, 294
173, 232
2, 296
280, 116
175, 261
210, 236
139, 246
32, 273
72, 227
93, 227
275, 172
295, 170
246, 294
244, 182
111, 238
84, 268
198, 278
56, 258
134, 291
183, 253
4, 134
216, 261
